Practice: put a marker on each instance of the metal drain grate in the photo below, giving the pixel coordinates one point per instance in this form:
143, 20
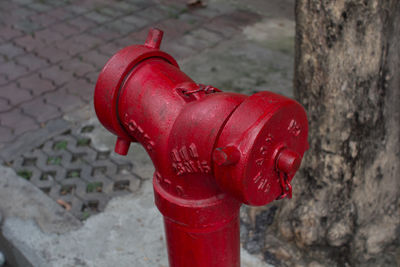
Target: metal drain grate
76, 175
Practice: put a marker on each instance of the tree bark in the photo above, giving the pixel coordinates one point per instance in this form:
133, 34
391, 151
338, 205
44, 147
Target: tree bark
346, 205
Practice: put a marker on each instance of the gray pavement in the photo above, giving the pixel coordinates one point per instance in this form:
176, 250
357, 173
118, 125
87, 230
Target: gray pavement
247, 47
128, 233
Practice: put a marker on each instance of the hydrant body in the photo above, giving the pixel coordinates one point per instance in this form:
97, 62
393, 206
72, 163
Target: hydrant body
212, 150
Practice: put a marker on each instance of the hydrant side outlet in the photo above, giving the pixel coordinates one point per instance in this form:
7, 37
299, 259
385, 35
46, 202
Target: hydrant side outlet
212, 150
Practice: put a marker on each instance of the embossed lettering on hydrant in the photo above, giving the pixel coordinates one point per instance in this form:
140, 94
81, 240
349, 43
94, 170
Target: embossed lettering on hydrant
259, 179
263, 150
186, 160
294, 128
262, 182
137, 130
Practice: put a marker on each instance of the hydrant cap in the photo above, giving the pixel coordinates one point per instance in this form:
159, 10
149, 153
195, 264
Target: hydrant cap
270, 133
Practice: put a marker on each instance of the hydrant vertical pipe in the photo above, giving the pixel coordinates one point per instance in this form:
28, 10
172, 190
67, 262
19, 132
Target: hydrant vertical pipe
214, 247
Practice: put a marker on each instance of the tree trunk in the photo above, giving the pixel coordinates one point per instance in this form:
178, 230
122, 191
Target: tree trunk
346, 205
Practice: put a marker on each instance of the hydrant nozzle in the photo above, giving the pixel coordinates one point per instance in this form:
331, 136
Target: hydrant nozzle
288, 161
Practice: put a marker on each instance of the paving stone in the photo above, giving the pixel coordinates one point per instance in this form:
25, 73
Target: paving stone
31, 62
81, 153
61, 13
127, 7
7, 18
50, 164
8, 33
104, 33
56, 75
44, 182
194, 43
93, 5
77, 9
65, 29
58, 3
18, 121
110, 11
79, 190
105, 167
40, 110
122, 27
77, 66
177, 49
14, 94
174, 29
28, 164
6, 134
131, 39
21, 12
92, 77
170, 2
30, 140
109, 49
81, 88
141, 4
137, 21
221, 7
4, 105
68, 167
87, 40
43, 19
71, 46
97, 17
29, 43
26, 25
3, 59
12, 70
206, 12
191, 18
52, 53
174, 10
49, 147
48, 36
137, 37
126, 182
153, 14
24, 2
201, 39
35, 84
207, 35
242, 17
95, 58
39, 7
82, 23
10, 50
66, 102
3, 79
229, 24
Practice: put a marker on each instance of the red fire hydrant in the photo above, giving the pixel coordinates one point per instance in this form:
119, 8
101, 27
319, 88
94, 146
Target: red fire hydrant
212, 150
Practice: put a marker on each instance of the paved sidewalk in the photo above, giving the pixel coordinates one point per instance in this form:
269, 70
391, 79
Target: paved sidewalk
51, 52
128, 233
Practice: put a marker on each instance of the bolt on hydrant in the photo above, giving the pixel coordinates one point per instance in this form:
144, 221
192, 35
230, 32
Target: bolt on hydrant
212, 150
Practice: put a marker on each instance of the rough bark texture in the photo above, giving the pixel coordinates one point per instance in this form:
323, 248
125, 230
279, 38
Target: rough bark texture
346, 205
